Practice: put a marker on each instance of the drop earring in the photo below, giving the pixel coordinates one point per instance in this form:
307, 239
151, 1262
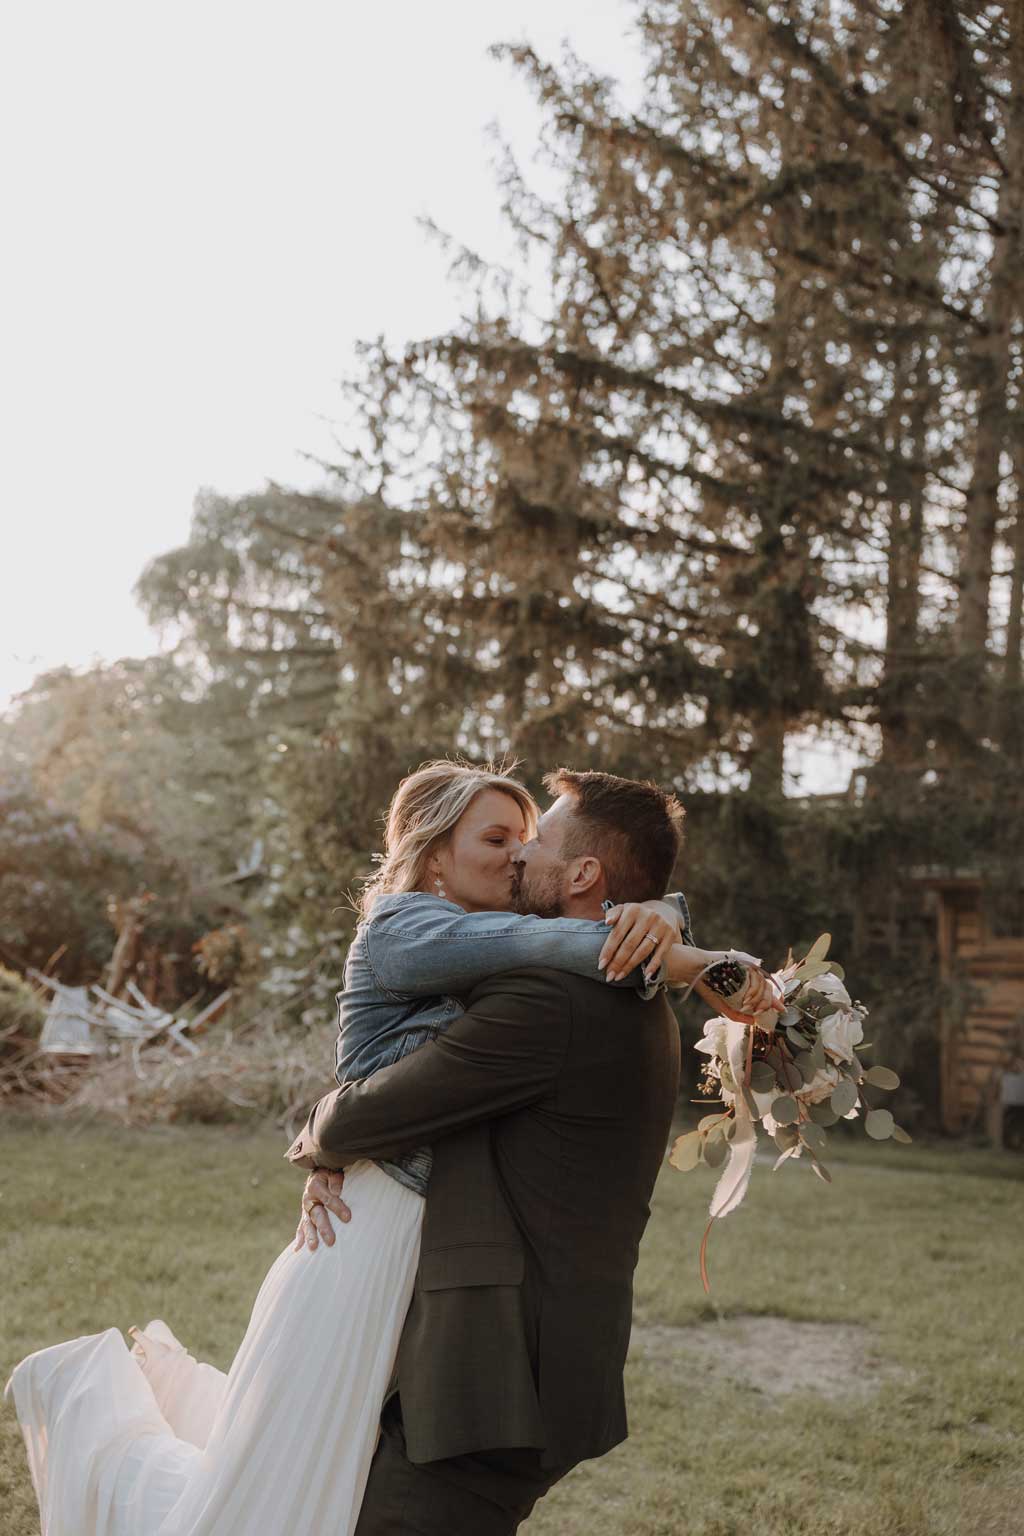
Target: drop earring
440, 888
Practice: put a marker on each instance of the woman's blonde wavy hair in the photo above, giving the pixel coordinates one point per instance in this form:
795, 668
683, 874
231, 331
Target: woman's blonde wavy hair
423, 813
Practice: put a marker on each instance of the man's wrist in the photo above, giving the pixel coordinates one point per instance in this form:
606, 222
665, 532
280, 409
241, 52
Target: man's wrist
666, 909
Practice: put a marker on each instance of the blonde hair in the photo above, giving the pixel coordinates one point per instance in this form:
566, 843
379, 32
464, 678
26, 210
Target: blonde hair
423, 813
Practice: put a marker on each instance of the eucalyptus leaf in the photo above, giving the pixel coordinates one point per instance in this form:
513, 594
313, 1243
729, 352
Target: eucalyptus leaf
813, 1136
750, 1102
821, 1170
817, 1054
819, 949
790, 1017
796, 1039
810, 969
786, 1136
785, 1110
899, 1134
710, 1120
762, 1077
881, 1077
844, 1097
822, 1114
805, 1066
789, 1079
879, 1124
685, 1153
837, 970
789, 1152
715, 1151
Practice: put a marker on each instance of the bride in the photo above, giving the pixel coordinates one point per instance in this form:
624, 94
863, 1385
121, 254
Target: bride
148, 1442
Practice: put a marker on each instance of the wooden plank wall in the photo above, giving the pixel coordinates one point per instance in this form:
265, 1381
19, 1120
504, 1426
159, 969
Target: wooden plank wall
988, 1040
992, 1039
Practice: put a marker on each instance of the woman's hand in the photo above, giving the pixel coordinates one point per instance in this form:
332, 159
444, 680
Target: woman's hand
759, 993
641, 934
685, 967
321, 1194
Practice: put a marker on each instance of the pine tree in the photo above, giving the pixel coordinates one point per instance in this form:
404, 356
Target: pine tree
648, 510
717, 476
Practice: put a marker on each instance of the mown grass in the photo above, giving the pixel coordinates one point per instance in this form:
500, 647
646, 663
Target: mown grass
920, 1245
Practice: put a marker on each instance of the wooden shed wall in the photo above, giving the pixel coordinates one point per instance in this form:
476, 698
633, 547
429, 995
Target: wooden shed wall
985, 1040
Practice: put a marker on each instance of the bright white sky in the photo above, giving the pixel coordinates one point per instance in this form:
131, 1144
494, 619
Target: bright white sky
206, 205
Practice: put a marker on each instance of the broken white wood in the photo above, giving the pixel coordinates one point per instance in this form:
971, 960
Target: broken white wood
69, 1025
77, 1024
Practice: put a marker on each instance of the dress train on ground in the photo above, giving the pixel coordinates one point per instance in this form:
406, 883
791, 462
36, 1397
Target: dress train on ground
161, 1445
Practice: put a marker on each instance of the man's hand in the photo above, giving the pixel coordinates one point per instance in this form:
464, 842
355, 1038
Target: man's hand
321, 1194
640, 934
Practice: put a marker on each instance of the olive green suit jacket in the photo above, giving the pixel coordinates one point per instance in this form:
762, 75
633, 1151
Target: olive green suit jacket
548, 1104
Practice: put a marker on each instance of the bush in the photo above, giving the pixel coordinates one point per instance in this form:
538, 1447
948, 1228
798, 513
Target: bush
258, 1074
22, 1011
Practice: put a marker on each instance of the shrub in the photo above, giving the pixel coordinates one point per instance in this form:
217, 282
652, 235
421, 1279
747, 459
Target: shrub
22, 1010
260, 1073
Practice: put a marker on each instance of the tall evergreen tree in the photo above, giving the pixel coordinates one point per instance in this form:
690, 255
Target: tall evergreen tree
717, 476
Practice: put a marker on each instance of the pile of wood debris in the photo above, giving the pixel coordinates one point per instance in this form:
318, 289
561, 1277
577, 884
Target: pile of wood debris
85, 1026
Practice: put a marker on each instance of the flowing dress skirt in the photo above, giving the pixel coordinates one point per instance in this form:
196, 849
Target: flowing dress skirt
159, 1445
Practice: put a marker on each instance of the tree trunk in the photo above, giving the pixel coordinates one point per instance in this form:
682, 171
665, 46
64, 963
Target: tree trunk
992, 359
901, 743
767, 754
1014, 635
1011, 713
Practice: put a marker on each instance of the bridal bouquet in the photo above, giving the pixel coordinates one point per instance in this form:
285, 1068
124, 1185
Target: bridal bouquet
793, 1070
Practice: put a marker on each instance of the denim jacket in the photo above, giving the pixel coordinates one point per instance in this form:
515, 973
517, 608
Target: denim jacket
415, 954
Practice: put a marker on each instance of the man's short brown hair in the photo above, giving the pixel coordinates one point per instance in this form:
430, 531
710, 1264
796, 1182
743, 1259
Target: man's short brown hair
633, 827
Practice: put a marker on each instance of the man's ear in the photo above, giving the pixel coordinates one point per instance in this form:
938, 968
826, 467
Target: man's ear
587, 873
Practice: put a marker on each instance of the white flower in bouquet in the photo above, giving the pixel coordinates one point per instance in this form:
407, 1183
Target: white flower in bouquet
829, 986
841, 1032
815, 1092
820, 1086
714, 1042
715, 1046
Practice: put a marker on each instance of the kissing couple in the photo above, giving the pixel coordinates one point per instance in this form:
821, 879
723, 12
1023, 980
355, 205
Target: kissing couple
435, 1359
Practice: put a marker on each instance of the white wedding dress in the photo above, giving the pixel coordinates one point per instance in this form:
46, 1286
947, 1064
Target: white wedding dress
147, 1442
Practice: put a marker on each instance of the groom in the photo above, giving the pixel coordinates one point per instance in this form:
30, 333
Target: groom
548, 1104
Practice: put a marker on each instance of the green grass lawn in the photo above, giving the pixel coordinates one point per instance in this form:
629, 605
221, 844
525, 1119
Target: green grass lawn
904, 1419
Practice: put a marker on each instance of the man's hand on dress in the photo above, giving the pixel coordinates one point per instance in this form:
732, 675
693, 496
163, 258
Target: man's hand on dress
322, 1193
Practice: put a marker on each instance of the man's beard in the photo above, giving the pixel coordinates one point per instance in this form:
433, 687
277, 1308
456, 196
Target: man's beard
541, 896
